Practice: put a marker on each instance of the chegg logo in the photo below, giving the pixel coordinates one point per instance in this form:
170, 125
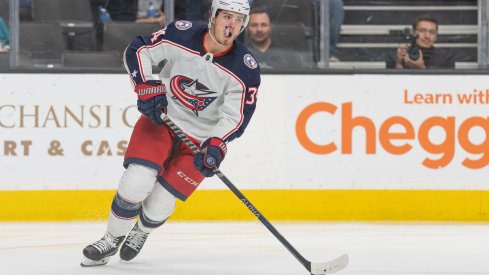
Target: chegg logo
386, 135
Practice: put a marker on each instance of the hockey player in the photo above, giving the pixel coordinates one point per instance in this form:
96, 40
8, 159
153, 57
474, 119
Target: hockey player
208, 87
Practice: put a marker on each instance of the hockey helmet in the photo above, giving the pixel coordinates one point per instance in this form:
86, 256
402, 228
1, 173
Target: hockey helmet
239, 6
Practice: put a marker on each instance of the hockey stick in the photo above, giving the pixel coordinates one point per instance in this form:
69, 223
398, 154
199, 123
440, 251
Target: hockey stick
314, 268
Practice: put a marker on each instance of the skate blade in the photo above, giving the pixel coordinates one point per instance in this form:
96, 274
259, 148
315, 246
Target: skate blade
86, 262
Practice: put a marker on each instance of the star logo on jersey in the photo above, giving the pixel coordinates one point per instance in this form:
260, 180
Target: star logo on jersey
191, 93
134, 74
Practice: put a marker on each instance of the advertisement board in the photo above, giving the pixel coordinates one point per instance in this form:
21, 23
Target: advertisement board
309, 132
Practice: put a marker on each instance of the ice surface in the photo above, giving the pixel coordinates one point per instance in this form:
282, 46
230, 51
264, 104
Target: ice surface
248, 248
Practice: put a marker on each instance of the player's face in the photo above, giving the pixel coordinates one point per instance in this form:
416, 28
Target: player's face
227, 26
259, 27
427, 34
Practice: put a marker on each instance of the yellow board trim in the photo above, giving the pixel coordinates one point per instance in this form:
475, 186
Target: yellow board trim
281, 205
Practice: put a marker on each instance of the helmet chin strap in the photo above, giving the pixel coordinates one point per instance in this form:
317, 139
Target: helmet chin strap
212, 36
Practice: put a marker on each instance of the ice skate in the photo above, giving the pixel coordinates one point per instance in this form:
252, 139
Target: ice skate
133, 244
100, 251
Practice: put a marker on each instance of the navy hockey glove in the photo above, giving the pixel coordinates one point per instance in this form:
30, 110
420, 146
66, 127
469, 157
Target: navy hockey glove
152, 100
212, 152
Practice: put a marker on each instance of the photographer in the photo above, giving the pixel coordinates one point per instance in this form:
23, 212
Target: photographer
421, 53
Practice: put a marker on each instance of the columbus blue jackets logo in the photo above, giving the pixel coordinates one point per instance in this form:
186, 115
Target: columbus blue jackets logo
191, 93
250, 61
183, 25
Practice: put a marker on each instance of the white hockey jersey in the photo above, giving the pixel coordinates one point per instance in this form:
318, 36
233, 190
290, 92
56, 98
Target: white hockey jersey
208, 95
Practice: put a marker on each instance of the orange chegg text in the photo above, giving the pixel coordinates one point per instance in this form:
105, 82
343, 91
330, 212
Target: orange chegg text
386, 136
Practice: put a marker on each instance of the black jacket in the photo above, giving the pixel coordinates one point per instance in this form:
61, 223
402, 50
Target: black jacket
434, 58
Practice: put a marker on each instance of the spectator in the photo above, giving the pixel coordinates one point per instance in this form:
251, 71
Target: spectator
197, 10
336, 17
260, 44
4, 36
130, 10
192, 10
122, 10
142, 13
430, 57
25, 10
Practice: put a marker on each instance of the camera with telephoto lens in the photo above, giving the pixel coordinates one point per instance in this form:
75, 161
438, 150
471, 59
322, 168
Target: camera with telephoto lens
413, 50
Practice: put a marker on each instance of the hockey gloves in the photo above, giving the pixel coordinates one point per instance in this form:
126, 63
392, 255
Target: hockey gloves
212, 152
152, 100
